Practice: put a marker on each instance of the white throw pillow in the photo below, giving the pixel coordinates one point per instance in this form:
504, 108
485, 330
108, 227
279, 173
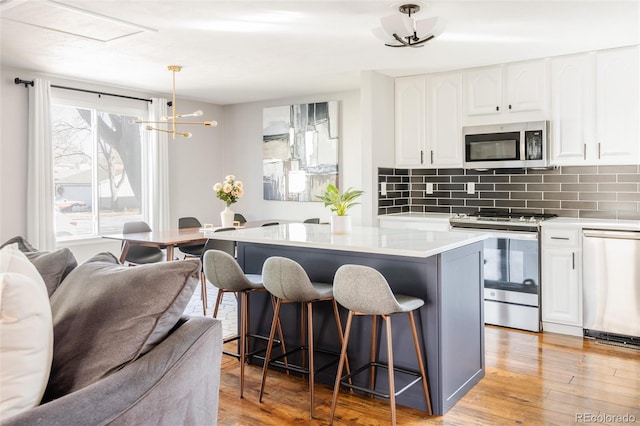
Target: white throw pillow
26, 333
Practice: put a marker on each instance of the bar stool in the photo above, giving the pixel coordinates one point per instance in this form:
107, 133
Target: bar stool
223, 271
289, 283
364, 291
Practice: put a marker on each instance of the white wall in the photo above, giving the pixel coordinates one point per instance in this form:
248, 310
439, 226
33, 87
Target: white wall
194, 163
234, 147
243, 144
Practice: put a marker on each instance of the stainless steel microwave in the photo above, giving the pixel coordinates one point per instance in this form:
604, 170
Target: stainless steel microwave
513, 145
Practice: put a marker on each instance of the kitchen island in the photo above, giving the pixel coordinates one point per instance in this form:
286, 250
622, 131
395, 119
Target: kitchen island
442, 268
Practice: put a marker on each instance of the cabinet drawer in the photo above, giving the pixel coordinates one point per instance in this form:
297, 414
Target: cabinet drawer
561, 237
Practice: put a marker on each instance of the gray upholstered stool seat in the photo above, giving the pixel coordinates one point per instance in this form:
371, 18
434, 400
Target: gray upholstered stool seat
364, 291
289, 283
224, 272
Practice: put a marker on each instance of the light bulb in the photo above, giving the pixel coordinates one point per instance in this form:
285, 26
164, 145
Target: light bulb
187, 135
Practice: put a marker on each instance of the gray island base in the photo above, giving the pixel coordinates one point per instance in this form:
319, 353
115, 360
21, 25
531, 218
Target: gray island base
450, 324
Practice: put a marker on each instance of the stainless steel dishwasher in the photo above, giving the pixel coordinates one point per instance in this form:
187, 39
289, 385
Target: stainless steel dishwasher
611, 285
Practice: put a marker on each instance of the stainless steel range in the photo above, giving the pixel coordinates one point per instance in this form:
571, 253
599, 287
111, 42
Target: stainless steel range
511, 266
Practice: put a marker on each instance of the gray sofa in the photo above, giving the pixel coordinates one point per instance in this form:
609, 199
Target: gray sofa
176, 383
123, 353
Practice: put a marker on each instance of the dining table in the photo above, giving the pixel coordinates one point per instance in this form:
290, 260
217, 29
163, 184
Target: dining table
168, 239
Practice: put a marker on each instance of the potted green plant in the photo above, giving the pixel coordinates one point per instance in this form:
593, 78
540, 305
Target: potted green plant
339, 204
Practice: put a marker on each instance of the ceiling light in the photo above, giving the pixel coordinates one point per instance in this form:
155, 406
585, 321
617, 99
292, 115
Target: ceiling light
404, 31
174, 116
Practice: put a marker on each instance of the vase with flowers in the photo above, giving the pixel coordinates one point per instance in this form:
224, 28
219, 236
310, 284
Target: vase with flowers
229, 191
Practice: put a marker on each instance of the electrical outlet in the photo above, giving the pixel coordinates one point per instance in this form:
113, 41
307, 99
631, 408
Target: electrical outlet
471, 187
383, 188
429, 187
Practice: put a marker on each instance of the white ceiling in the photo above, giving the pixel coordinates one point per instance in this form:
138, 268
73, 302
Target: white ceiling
242, 51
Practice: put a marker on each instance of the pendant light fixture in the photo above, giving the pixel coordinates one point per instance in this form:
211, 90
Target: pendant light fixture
173, 119
401, 30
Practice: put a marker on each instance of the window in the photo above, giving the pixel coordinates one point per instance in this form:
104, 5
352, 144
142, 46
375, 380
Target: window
98, 169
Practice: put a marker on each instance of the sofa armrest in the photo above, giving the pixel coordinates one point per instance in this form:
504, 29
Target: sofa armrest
177, 382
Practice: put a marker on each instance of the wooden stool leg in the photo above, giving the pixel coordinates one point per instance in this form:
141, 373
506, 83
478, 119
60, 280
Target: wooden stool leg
218, 301
372, 353
336, 314
244, 326
312, 373
265, 367
343, 357
425, 383
392, 386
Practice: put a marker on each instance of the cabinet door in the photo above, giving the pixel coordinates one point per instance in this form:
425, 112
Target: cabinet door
561, 292
617, 106
526, 86
483, 88
410, 117
572, 108
444, 120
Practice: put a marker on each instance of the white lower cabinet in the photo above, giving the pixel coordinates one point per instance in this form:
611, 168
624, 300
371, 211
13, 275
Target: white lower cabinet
562, 280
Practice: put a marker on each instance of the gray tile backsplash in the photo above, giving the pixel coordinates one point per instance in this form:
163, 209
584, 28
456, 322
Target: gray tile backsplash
609, 192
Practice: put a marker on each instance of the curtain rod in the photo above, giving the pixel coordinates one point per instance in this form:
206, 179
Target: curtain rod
28, 83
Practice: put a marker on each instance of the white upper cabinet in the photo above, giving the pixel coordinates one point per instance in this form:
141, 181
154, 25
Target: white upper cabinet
617, 107
483, 90
444, 120
428, 120
572, 108
410, 120
506, 93
595, 108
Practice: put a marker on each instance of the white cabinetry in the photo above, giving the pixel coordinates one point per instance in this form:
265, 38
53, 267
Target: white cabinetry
506, 93
617, 106
410, 121
595, 108
428, 120
562, 279
444, 120
572, 108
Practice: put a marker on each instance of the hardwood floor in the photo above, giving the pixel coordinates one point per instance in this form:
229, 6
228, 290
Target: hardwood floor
531, 379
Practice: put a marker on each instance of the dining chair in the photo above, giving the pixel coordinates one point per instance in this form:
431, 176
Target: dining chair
237, 217
312, 220
138, 255
190, 249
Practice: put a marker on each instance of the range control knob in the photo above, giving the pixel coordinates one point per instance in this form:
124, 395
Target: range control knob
522, 219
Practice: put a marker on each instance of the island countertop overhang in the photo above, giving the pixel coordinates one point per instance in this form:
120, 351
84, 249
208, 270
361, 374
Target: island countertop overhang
394, 242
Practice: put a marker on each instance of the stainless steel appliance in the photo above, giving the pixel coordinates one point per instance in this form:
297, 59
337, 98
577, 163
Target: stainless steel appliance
511, 266
611, 285
517, 145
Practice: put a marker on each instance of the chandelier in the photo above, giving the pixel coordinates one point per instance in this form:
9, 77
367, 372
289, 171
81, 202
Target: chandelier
172, 120
401, 30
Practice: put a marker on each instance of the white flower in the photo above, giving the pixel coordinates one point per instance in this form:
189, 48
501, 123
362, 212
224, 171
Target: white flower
217, 187
227, 188
229, 178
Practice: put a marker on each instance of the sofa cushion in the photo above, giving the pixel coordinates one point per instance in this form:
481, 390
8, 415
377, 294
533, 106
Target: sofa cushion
106, 315
53, 266
26, 333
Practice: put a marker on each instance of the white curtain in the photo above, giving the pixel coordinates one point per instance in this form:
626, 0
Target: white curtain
158, 166
40, 189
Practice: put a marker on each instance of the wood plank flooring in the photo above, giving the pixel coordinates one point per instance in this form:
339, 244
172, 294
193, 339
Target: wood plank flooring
531, 379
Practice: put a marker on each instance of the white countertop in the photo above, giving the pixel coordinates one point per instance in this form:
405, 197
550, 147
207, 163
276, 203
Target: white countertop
396, 242
605, 224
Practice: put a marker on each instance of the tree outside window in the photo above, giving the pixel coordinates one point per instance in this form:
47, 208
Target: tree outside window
98, 170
